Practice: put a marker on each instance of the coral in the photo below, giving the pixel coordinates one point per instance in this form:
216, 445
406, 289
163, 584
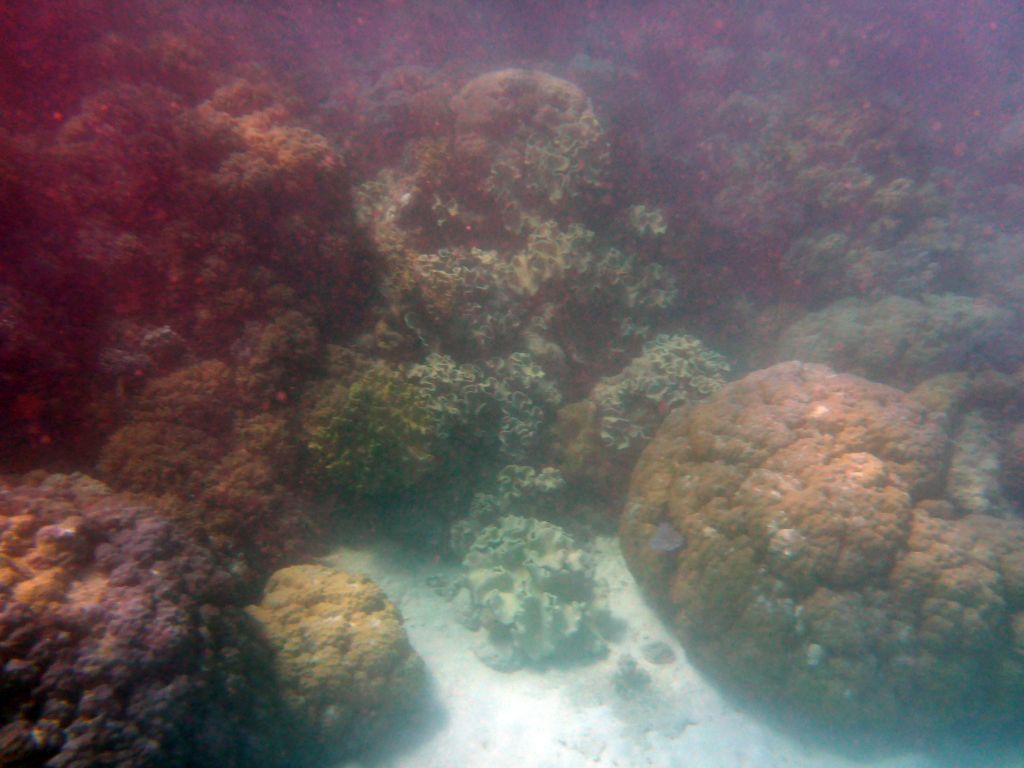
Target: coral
344, 664
123, 641
534, 592
671, 371
598, 439
526, 399
646, 222
276, 356
580, 453
468, 274
817, 567
902, 341
430, 427
974, 480
176, 434
994, 265
464, 298
372, 437
518, 490
457, 396
165, 211
1012, 461
510, 396
534, 138
552, 255
198, 439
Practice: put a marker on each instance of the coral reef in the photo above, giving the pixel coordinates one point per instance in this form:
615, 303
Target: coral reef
519, 491
284, 270
375, 436
533, 590
411, 444
344, 664
123, 641
200, 441
598, 439
161, 214
486, 243
903, 341
534, 138
819, 569
672, 370
974, 483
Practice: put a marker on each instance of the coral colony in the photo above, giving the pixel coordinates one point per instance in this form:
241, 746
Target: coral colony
740, 290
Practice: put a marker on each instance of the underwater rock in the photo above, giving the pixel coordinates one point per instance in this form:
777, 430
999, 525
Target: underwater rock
902, 341
122, 640
658, 652
1012, 462
629, 679
533, 590
343, 661
825, 574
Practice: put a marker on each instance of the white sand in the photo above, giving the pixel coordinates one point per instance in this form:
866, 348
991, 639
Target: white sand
568, 718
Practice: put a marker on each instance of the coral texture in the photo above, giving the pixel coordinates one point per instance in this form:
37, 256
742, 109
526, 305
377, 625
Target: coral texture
903, 341
487, 239
198, 440
344, 664
598, 439
817, 567
533, 590
373, 437
534, 136
123, 641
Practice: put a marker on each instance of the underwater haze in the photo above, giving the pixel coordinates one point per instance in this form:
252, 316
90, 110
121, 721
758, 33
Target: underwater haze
584, 384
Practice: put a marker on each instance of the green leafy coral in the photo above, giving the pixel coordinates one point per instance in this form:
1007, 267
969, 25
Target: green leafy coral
672, 369
518, 490
374, 436
391, 426
535, 593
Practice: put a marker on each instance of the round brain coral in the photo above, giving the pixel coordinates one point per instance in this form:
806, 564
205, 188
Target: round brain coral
123, 641
814, 565
344, 662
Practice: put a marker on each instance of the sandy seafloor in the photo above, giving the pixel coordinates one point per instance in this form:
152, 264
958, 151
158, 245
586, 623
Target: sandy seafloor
573, 718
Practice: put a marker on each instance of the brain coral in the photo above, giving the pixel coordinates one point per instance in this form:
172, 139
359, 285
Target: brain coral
816, 566
343, 660
122, 641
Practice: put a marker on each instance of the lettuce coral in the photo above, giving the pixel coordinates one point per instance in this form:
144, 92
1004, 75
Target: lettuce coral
535, 593
534, 137
670, 371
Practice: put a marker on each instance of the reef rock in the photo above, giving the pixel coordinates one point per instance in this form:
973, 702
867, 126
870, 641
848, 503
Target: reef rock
902, 341
820, 570
123, 641
343, 661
